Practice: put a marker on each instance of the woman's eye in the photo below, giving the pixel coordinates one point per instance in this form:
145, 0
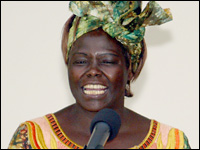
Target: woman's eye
109, 62
80, 62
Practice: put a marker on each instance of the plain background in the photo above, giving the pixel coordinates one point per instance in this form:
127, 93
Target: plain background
34, 76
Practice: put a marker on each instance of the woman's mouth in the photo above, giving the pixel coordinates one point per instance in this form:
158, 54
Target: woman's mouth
94, 89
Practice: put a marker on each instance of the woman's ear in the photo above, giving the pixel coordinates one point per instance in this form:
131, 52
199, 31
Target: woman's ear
130, 75
128, 92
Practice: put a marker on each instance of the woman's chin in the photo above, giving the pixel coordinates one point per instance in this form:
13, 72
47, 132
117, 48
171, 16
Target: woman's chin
94, 106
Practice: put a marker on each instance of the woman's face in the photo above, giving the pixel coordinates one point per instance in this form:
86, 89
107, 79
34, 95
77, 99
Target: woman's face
97, 72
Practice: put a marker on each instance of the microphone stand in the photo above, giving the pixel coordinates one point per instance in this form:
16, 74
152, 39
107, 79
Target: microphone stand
97, 147
99, 137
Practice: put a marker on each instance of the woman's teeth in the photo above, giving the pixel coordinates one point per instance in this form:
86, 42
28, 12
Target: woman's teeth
94, 89
94, 86
94, 92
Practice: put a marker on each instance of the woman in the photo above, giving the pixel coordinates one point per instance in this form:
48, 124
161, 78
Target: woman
104, 50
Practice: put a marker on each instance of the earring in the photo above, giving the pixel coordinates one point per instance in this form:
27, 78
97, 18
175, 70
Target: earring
128, 90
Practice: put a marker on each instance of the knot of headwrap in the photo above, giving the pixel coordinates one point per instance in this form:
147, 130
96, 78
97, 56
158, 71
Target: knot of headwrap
122, 20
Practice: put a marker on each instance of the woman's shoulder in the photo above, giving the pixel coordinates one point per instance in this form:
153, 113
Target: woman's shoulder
27, 133
38, 123
161, 135
168, 137
20, 138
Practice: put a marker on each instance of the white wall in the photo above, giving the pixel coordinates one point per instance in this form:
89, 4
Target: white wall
34, 76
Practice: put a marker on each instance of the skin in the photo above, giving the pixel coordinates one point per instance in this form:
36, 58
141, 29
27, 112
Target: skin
97, 58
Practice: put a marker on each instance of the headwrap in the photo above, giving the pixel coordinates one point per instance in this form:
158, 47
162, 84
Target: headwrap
122, 20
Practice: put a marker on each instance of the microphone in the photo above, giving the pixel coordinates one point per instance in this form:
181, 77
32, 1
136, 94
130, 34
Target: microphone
104, 127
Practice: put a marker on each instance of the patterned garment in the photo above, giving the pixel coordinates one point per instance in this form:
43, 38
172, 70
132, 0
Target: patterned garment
122, 20
46, 133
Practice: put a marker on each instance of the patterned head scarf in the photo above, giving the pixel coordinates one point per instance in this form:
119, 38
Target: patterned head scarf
122, 20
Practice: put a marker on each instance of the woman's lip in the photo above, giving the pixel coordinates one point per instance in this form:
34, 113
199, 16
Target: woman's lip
94, 87
94, 92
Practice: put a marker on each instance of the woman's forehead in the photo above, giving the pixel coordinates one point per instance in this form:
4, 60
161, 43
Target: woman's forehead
96, 40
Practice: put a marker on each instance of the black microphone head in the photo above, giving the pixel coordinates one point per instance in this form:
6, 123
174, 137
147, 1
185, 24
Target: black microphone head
110, 117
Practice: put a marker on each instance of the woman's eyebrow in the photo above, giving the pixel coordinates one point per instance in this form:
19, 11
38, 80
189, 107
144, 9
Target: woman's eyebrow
112, 54
80, 53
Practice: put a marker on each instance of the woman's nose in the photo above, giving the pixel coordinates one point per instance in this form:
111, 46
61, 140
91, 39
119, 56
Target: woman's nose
94, 71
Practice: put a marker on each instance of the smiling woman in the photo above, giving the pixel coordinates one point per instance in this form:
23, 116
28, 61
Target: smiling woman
104, 50
104, 65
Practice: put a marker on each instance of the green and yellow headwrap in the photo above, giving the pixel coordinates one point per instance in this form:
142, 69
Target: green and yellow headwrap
122, 20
